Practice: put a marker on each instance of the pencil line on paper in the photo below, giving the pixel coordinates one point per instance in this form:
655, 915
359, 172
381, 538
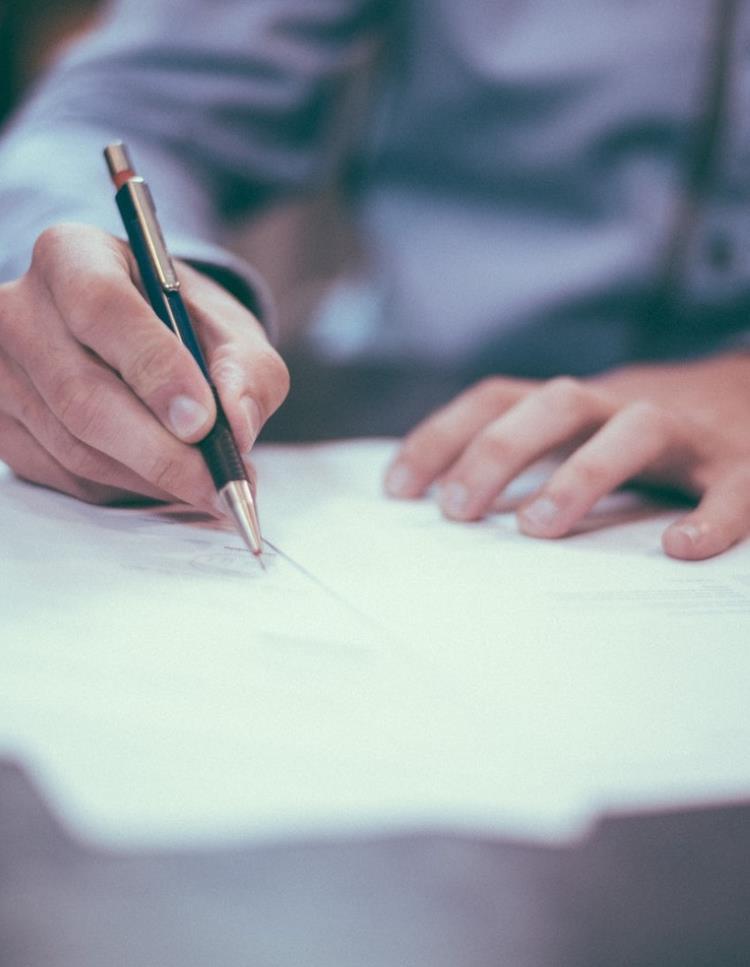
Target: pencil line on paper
328, 589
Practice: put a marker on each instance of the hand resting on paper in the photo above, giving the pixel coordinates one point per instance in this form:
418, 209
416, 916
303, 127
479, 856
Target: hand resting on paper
97, 397
682, 426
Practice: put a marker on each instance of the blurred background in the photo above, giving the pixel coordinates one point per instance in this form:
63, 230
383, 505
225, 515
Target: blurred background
283, 244
301, 248
32, 34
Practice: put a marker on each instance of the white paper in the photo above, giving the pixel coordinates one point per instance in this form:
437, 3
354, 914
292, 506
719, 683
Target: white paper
389, 668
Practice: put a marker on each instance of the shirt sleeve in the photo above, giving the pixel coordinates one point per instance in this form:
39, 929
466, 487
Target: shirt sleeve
225, 107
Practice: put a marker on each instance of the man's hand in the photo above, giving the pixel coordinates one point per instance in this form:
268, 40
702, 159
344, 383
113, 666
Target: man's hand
97, 397
685, 427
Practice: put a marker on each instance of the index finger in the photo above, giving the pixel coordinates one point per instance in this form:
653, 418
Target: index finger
436, 443
250, 376
90, 277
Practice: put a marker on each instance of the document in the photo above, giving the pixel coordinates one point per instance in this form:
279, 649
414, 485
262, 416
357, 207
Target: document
388, 669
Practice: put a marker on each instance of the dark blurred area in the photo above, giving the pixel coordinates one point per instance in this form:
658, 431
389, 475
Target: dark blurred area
32, 34
663, 889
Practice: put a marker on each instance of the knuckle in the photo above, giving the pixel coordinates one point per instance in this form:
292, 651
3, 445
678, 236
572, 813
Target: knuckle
48, 244
565, 394
226, 371
591, 475
93, 303
424, 444
54, 244
415, 444
489, 391
78, 402
153, 366
492, 447
649, 415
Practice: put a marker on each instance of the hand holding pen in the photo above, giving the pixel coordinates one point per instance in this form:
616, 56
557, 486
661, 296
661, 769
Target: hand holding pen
98, 399
157, 272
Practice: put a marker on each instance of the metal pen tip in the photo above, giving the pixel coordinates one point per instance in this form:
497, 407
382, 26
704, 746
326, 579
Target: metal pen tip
238, 498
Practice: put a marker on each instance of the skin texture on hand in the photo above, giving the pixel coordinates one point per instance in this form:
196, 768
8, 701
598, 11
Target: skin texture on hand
98, 399
685, 427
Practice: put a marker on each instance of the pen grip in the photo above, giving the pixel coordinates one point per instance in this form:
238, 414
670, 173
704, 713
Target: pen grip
220, 451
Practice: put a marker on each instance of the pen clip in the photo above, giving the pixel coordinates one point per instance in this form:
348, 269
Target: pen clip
145, 210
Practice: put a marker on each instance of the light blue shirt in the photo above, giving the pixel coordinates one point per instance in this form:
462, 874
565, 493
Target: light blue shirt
543, 186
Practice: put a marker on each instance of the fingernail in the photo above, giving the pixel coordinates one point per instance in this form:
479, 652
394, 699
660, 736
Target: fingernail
689, 536
541, 514
692, 532
186, 416
453, 499
220, 507
253, 421
399, 480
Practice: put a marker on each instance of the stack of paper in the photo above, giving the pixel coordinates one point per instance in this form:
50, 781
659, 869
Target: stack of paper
388, 669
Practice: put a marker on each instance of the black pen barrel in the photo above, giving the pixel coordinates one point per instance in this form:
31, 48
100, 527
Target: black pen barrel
218, 447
